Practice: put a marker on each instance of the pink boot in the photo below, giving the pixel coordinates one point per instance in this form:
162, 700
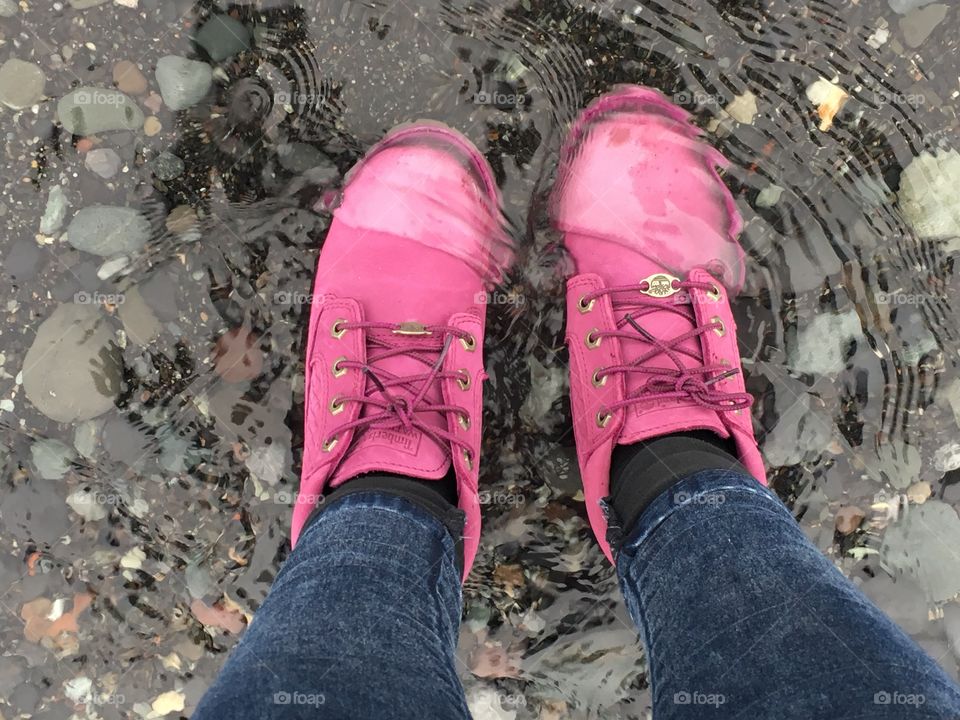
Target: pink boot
652, 230
395, 351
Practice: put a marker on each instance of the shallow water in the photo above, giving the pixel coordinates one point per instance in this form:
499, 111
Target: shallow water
155, 530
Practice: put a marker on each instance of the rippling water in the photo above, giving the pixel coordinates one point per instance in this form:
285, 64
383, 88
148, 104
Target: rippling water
196, 464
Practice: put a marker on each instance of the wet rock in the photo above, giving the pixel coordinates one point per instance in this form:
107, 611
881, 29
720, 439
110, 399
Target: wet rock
72, 370
104, 162
51, 458
86, 503
947, 457
55, 211
267, 463
125, 443
901, 599
900, 464
128, 78
86, 437
821, 346
112, 266
829, 99
168, 166
769, 196
803, 429
848, 519
8, 8
928, 195
183, 82
84, 4
21, 84
222, 37
236, 355
91, 110
922, 547
138, 318
152, 126
902, 7
919, 23
21, 260
107, 230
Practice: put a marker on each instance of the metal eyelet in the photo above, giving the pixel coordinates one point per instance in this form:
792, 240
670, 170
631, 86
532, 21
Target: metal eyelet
468, 459
336, 406
337, 329
714, 293
597, 380
464, 421
469, 343
337, 370
464, 380
603, 418
592, 341
722, 330
328, 444
585, 307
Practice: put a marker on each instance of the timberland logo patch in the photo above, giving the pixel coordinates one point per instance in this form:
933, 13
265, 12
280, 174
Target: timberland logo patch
406, 442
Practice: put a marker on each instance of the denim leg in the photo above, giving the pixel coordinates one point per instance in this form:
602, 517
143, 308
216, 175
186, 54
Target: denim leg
743, 617
362, 622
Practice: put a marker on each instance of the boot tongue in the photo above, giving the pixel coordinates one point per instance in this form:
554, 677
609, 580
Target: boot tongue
387, 446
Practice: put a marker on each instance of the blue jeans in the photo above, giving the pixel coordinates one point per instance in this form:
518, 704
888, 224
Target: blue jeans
741, 616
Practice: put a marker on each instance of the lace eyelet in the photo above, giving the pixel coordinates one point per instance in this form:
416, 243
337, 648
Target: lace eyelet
328, 444
722, 330
337, 329
591, 340
339, 371
603, 419
714, 293
464, 380
464, 421
584, 306
597, 380
469, 343
336, 406
468, 459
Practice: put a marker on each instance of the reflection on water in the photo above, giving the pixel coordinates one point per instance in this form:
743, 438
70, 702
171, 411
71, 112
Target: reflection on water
151, 381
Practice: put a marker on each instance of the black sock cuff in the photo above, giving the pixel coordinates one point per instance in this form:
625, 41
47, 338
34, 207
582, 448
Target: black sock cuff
639, 473
428, 495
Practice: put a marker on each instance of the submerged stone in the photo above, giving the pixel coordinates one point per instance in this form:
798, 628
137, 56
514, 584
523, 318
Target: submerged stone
91, 110
928, 195
183, 82
72, 371
21, 84
222, 37
923, 546
107, 230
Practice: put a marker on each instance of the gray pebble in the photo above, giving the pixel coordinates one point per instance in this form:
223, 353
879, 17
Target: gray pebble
91, 110
51, 458
183, 82
821, 344
918, 24
8, 8
84, 4
72, 370
168, 166
104, 162
21, 84
222, 37
55, 211
107, 230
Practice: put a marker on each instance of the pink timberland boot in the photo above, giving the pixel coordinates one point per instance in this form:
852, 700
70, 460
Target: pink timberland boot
394, 361
652, 230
